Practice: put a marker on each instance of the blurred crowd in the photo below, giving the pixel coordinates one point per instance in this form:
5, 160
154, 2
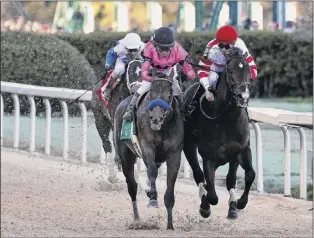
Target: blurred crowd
289, 26
21, 24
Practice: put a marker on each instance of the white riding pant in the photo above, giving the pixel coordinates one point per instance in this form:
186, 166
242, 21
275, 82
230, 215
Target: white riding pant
218, 65
119, 68
177, 91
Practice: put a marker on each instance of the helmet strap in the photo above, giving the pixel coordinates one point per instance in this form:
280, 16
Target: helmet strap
154, 43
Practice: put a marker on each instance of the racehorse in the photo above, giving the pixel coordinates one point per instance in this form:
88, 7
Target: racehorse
103, 115
220, 131
159, 126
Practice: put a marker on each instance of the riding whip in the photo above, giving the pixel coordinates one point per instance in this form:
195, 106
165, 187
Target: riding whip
197, 65
104, 75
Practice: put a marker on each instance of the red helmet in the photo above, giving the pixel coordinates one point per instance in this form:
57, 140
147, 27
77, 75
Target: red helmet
226, 35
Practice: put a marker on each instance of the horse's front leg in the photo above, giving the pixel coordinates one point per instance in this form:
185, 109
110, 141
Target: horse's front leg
230, 183
190, 151
103, 126
209, 195
210, 170
152, 173
128, 160
173, 166
245, 161
210, 167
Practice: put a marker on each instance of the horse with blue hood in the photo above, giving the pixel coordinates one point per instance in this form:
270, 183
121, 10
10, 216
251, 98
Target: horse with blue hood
159, 126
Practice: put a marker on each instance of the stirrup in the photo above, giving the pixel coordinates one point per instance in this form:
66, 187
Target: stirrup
128, 116
106, 95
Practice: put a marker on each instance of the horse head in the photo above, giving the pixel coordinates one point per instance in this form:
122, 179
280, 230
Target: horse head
161, 97
133, 75
237, 76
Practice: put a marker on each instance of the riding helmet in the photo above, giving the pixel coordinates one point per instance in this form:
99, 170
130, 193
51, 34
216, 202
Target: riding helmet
132, 41
164, 37
226, 35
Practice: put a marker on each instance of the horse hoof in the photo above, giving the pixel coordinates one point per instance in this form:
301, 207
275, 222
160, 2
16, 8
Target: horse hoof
241, 204
147, 193
205, 213
232, 214
153, 204
213, 201
170, 227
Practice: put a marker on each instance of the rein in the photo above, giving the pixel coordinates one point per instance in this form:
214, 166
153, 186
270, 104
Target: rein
234, 95
169, 81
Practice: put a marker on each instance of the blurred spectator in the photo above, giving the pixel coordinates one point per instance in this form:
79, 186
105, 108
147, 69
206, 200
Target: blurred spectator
172, 26
247, 24
289, 27
254, 26
21, 24
78, 20
135, 28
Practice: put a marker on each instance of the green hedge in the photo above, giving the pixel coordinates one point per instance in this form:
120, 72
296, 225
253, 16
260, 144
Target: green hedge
285, 62
45, 61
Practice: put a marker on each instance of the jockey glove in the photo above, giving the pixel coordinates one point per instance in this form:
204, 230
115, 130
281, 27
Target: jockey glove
107, 66
253, 71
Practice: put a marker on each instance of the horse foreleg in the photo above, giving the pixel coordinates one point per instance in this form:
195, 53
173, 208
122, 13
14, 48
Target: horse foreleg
103, 127
190, 151
245, 161
152, 173
209, 197
173, 166
128, 160
230, 183
210, 170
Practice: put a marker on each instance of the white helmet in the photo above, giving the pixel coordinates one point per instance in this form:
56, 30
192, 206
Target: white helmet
132, 41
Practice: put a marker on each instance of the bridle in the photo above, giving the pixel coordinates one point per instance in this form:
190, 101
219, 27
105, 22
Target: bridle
169, 81
230, 85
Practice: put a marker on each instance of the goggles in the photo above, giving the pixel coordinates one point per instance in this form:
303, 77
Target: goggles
164, 48
224, 46
132, 50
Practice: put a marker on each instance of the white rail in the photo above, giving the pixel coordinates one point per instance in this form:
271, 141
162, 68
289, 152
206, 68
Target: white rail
281, 118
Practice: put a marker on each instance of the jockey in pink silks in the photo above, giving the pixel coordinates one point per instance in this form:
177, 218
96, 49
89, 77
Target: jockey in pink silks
163, 53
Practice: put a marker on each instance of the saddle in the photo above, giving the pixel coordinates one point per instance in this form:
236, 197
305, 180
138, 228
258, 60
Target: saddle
193, 94
125, 76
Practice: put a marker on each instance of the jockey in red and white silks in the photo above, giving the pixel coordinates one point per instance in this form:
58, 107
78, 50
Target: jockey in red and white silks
214, 60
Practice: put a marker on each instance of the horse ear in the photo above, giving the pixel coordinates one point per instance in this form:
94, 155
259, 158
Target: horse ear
154, 72
171, 74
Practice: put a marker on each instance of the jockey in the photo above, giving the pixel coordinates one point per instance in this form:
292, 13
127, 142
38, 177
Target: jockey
128, 48
163, 53
214, 60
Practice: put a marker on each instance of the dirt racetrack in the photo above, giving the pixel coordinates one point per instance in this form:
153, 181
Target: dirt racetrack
41, 197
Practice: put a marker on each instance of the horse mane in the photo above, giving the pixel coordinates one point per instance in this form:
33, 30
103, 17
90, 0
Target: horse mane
233, 52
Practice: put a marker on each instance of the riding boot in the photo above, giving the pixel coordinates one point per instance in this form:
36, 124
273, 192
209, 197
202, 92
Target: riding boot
108, 91
128, 115
192, 104
107, 94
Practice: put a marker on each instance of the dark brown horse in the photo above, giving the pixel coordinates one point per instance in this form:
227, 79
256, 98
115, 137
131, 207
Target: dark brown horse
103, 115
220, 131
